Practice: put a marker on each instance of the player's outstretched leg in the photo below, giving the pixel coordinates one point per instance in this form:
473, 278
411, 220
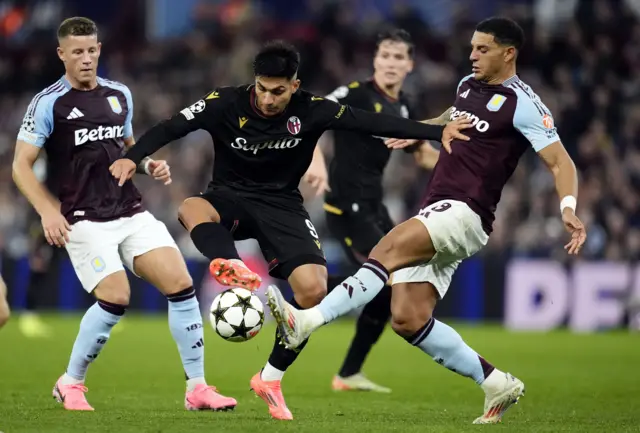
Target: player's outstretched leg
185, 322
112, 295
309, 287
406, 244
412, 318
216, 243
369, 327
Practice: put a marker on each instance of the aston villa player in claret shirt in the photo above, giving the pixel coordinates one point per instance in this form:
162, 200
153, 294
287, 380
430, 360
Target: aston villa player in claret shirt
508, 118
264, 136
84, 123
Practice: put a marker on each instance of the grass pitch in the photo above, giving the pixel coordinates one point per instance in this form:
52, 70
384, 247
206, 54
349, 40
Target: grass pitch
575, 383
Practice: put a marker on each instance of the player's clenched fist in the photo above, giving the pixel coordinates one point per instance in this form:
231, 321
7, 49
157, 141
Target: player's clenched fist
56, 228
123, 170
159, 170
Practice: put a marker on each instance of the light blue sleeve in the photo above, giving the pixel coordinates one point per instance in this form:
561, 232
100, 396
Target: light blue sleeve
37, 124
128, 125
534, 120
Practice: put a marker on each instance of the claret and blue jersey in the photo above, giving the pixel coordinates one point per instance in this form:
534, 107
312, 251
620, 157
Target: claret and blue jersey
508, 119
83, 132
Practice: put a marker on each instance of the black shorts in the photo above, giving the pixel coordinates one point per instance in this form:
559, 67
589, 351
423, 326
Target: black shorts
279, 223
358, 226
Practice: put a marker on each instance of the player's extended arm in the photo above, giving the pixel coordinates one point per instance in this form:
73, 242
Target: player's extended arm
158, 169
159, 136
26, 180
535, 122
354, 119
564, 171
442, 119
154, 139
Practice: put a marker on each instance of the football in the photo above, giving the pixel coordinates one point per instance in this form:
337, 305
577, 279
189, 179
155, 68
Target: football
237, 315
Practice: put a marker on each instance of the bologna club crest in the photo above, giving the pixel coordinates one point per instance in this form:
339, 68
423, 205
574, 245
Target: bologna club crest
294, 125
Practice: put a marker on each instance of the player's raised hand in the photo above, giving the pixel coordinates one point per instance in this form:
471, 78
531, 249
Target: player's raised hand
452, 132
160, 170
578, 232
56, 228
123, 170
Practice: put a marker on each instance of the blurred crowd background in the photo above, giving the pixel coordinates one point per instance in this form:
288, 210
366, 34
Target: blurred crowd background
581, 57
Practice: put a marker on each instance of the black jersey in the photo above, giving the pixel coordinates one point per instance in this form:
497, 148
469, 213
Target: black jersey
269, 154
356, 170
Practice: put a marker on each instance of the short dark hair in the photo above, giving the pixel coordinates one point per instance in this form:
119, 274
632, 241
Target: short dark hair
277, 59
505, 31
77, 26
396, 35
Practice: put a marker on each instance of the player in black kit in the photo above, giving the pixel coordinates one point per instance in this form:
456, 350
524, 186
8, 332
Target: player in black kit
356, 215
264, 135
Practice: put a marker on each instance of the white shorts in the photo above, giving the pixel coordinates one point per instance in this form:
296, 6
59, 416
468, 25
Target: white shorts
456, 232
99, 249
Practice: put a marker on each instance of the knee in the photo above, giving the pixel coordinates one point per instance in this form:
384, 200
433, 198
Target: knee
389, 252
178, 283
385, 248
310, 294
184, 213
407, 244
119, 296
407, 321
194, 211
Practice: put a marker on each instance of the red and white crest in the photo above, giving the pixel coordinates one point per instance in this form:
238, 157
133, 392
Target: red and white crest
294, 125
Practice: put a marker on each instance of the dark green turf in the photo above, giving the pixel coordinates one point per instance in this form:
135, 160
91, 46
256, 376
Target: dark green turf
575, 383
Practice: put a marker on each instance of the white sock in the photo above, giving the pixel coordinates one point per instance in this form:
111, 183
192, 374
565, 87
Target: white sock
191, 383
315, 317
68, 380
270, 373
495, 381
